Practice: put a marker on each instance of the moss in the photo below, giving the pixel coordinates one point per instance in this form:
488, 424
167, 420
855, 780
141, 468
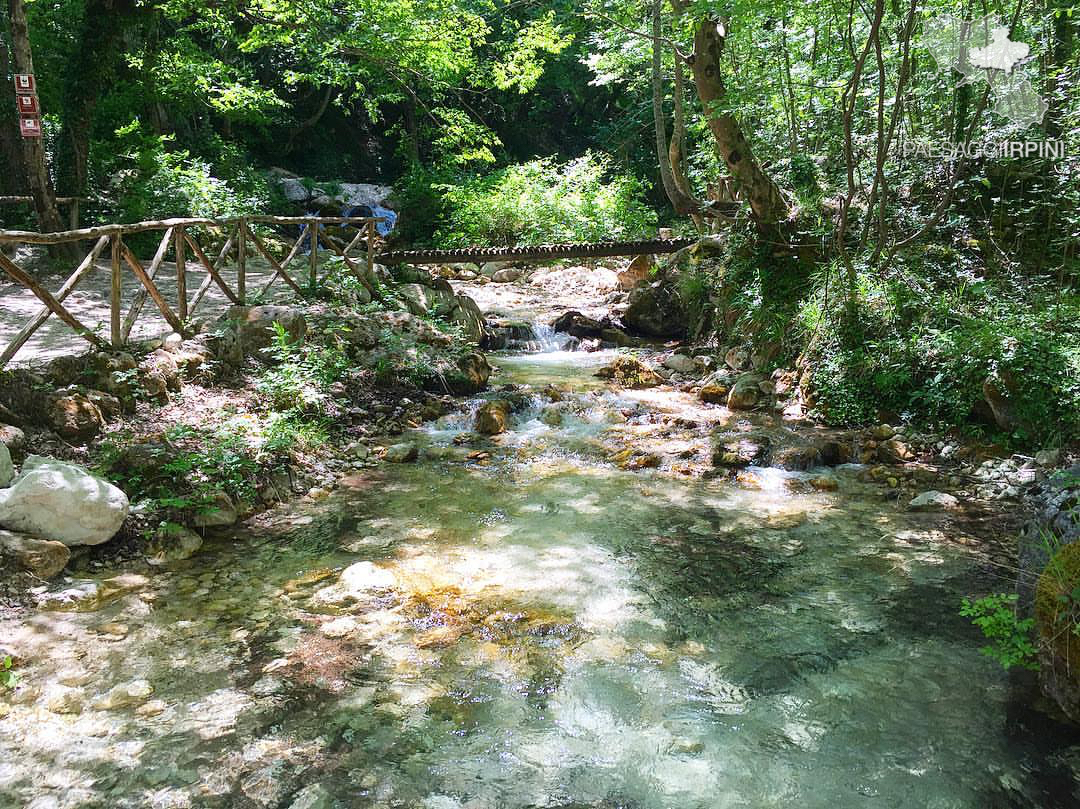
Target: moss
1057, 611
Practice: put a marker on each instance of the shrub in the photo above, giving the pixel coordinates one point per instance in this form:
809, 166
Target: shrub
545, 201
1009, 636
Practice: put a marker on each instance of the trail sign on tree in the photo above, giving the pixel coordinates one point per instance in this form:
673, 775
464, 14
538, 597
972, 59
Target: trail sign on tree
28, 105
30, 127
25, 84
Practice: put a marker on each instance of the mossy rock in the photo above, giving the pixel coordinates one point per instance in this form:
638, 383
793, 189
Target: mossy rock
1056, 613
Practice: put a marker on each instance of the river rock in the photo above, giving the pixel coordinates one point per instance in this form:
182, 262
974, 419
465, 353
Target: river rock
124, 695
175, 543
745, 393
656, 310
493, 417
254, 327
74, 417
7, 468
933, 501
42, 557
629, 372
506, 276
682, 364
13, 438
313, 796
1045, 457
578, 325
401, 453
637, 271
713, 393
63, 502
61, 699
221, 512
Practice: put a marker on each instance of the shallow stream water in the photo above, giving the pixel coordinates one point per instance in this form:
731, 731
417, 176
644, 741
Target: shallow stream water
538, 627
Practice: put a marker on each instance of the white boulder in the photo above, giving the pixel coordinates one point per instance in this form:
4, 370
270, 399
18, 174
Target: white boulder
63, 502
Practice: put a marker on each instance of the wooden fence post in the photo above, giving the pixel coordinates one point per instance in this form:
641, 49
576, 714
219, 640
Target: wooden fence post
241, 262
181, 273
114, 298
313, 239
371, 249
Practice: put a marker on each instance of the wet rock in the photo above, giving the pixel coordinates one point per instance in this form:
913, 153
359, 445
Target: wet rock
796, 458
737, 358
552, 416
617, 338
13, 439
401, 453
578, 325
713, 393
933, 501
895, 451
1044, 458
41, 557
493, 417
174, 543
682, 364
750, 449
7, 468
825, 483
62, 502
471, 376
74, 417
221, 512
124, 695
339, 627
63, 700
359, 582
313, 796
745, 393
506, 276
630, 372
656, 310
637, 271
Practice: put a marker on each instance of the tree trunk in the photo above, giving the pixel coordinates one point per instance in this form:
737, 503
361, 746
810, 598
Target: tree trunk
93, 67
768, 206
12, 181
683, 203
33, 148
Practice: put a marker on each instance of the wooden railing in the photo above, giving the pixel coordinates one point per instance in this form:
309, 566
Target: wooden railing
180, 236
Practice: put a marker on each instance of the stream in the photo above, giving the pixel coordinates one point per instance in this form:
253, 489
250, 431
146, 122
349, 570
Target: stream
526, 623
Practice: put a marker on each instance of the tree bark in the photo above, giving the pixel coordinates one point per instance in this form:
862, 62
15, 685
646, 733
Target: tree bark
93, 67
683, 203
33, 149
768, 207
12, 181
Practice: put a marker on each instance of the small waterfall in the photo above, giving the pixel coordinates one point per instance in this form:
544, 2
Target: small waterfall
545, 340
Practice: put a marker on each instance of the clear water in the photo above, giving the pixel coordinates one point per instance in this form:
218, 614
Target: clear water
559, 633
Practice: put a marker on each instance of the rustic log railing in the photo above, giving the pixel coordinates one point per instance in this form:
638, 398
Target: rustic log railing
179, 236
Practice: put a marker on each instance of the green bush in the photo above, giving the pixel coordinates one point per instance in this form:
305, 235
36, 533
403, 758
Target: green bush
544, 201
152, 182
1010, 636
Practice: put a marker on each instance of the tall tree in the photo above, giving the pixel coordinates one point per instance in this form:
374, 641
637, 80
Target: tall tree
34, 158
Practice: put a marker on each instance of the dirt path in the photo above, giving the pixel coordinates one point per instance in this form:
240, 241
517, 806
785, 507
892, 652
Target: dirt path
90, 303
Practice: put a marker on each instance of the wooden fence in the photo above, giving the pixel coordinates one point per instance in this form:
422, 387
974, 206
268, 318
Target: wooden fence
181, 236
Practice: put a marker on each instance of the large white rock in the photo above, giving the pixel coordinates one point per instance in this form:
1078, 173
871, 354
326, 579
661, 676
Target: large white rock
64, 502
7, 471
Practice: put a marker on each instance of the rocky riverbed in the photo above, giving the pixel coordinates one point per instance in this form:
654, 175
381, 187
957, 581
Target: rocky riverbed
596, 581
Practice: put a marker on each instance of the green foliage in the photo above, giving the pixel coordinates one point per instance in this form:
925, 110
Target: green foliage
302, 372
8, 678
1010, 636
546, 201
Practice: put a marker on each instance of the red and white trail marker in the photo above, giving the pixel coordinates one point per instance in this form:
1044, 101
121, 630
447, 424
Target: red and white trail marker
30, 127
28, 105
25, 84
